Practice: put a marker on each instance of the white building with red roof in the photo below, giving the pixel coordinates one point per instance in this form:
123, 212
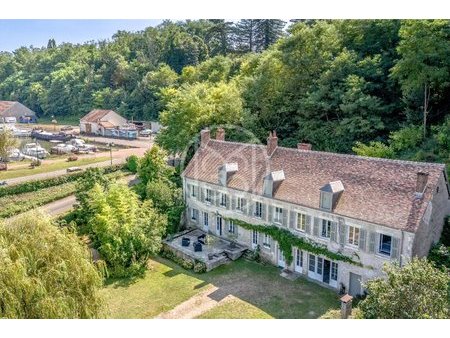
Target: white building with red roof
368, 211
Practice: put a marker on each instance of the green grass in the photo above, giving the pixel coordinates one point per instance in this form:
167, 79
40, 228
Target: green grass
62, 120
45, 168
259, 290
161, 289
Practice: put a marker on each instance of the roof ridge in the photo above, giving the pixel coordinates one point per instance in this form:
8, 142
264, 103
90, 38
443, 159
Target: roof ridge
379, 159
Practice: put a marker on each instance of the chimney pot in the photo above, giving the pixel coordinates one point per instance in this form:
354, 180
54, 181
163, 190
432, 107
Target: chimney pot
304, 146
272, 143
205, 135
220, 134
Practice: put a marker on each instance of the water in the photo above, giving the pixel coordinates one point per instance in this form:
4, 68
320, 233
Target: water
44, 144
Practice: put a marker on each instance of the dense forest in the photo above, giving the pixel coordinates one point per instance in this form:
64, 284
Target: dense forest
374, 87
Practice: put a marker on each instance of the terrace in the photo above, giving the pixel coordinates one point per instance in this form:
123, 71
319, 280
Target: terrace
207, 248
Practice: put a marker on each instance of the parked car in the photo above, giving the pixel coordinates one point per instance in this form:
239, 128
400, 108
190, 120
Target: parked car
66, 128
145, 133
73, 169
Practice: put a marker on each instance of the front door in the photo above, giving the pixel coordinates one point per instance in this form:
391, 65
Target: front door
219, 226
326, 271
88, 128
354, 284
281, 262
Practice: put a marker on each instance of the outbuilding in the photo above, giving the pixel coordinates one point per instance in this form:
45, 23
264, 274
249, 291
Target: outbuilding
16, 112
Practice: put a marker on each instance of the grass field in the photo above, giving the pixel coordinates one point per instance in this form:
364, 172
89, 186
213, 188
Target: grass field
62, 120
20, 171
258, 290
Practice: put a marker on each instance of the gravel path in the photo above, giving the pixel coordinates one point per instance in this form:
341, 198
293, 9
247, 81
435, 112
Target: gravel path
195, 306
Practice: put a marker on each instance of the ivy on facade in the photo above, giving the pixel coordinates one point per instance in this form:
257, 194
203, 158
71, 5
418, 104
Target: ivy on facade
286, 241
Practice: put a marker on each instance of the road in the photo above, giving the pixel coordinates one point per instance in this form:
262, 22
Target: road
119, 156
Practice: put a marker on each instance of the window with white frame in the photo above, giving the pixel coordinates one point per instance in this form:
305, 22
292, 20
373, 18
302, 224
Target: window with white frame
353, 235
240, 205
258, 209
301, 222
208, 197
385, 245
205, 219
223, 199
334, 271
267, 241
312, 263
326, 228
255, 237
193, 191
194, 214
278, 217
325, 200
231, 227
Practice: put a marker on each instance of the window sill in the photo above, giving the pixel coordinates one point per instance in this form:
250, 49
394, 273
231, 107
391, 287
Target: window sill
265, 246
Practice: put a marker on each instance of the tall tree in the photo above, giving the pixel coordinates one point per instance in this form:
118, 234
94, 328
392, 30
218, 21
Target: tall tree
415, 291
244, 35
423, 69
267, 32
219, 37
7, 142
47, 272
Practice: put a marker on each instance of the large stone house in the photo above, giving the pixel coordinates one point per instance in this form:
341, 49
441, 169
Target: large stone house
371, 210
13, 111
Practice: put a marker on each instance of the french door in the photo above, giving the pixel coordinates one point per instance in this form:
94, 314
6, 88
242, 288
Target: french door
219, 225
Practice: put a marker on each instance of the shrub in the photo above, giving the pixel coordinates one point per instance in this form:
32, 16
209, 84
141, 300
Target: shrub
132, 163
199, 267
31, 186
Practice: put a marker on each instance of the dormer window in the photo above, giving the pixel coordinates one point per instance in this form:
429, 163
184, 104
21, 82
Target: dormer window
330, 194
226, 171
326, 200
272, 182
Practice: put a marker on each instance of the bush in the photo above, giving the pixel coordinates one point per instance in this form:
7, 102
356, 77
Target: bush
132, 163
31, 186
199, 267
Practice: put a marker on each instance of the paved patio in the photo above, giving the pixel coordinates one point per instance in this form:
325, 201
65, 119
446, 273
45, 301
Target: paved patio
216, 251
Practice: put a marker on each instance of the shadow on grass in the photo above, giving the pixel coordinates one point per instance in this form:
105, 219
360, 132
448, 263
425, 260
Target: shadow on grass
263, 287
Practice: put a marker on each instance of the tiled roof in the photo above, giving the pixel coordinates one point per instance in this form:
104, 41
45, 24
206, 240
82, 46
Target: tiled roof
4, 105
379, 191
107, 124
95, 115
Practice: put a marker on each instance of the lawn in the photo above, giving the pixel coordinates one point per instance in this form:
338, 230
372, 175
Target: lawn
20, 171
258, 292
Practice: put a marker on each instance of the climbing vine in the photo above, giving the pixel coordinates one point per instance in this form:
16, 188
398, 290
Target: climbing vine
286, 240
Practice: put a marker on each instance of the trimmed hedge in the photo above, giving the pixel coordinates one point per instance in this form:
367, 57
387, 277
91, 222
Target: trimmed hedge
50, 182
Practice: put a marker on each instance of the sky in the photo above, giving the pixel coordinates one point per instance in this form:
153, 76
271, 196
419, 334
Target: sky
18, 33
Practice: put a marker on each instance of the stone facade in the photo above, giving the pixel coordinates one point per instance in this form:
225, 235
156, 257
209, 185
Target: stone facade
371, 210
367, 251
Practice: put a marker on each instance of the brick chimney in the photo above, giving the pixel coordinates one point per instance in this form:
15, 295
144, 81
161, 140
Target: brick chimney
304, 146
421, 182
205, 135
272, 143
220, 134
